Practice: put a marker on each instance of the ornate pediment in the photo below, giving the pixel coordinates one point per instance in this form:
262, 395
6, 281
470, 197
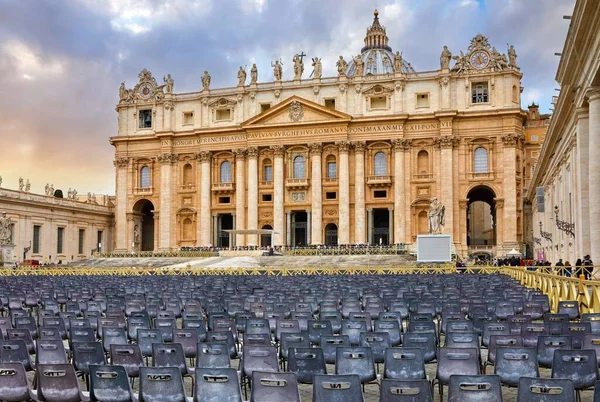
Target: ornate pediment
296, 110
378, 90
222, 103
146, 90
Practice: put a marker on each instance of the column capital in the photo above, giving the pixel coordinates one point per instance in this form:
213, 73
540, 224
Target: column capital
315, 148
512, 140
240, 153
359, 146
168, 158
121, 162
582, 112
278, 150
252, 152
499, 203
401, 144
593, 94
203, 156
343, 146
462, 204
446, 141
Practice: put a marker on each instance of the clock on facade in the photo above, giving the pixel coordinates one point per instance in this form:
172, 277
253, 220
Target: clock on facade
146, 91
480, 59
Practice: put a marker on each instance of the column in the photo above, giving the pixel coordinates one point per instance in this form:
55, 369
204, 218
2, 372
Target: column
359, 188
344, 196
215, 233
166, 175
232, 239
400, 145
316, 218
370, 223
446, 144
594, 174
252, 240
509, 188
121, 164
205, 197
391, 225
308, 227
240, 195
499, 206
278, 195
288, 228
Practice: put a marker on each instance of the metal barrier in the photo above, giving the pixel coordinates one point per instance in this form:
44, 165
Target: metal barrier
164, 254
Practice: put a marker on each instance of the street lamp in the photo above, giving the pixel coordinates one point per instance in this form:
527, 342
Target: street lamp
565, 226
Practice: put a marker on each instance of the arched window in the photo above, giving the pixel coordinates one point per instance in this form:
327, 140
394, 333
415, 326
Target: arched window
423, 162
380, 162
145, 177
267, 170
188, 179
226, 172
480, 160
331, 167
299, 167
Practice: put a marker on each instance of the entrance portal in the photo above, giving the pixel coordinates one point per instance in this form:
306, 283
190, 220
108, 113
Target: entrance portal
481, 217
145, 208
265, 239
331, 234
225, 223
299, 228
381, 227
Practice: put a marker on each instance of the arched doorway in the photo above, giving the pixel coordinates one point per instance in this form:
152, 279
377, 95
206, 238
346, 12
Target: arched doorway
481, 217
265, 239
144, 208
331, 234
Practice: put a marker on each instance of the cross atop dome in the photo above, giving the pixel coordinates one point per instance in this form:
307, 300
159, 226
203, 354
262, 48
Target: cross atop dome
376, 37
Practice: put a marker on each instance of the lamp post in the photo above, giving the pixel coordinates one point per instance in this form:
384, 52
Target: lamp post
565, 226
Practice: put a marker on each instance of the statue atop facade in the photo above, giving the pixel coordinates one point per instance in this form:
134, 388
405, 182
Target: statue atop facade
241, 77
253, 74
445, 58
277, 70
512, 56
436, 216
21, 184
360, 66
47, 189
461, 64
136, 235
341, 66
499, 61
298, 66
51, 190
318, 67
5, 230
398, 62
0, 181
168, 84
74, 195
27, 186
206, 81
70, 194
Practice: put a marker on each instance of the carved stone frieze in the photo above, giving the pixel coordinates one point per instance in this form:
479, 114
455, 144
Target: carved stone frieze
296, 111
401, 144
167, 158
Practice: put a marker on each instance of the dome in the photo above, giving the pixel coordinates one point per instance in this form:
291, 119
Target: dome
377, 57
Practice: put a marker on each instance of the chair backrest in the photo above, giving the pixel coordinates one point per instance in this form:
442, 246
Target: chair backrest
405, 391
531, 331
457, 361
134, 324
217, 385
353, 328
109, 384
57, 383
329, 344
113, 336
81, 334
188, 338
580, 366
355, 360
335, 317
145, 339
493, 328
533, 389
283, 326
569, 307
474, 388
306, 362
404, 364
577, 330
462, 340
503, 341
594, 320
50, 352
423, 341
15, 351
337, 388
128, 356
257, 339
268, 386
24, 335
159, 384
86, 354
292, 339
392, 327
546, 346
223, 337
259, 358
55, 322
316, 328
213, 355
13, 383
378, 342
169, 355
257, 326
165, 326
513, 363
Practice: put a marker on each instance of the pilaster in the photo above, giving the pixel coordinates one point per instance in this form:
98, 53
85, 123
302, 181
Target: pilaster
205, 191
278, 194
166, 160
344, 198
253, 240
316, 216
359, 189
240, 195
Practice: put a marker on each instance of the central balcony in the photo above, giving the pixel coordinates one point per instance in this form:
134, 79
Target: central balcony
143, 190
379, 181
223, 188
297, 184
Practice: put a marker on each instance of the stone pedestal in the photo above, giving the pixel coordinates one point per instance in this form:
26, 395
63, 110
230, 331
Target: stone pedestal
7, 255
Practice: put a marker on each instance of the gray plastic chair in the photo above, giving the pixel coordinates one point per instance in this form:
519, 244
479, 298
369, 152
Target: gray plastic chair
269, 386
475, 388
161, 384
217, 385
545, 390
337, 388
512, 363
109, 384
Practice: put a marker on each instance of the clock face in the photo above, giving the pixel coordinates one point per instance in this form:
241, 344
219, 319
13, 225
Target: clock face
145, 91
480, 59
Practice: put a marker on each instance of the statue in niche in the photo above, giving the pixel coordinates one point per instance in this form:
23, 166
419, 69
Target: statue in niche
253, 74
277, 70
206, 81
318, 67
512, 56
5, 230
360, 66
341, 66
136, 235
168, 84
241, 77
21, 184
436, 216
445, 58
397, 62
298, 67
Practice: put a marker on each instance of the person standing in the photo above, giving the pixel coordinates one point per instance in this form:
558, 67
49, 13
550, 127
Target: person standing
578, 268
588, 267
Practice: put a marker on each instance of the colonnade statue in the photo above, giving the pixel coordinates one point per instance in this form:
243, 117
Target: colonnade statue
436, 215
5, 230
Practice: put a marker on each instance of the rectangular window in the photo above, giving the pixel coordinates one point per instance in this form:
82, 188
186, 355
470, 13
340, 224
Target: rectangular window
380, 194
268, 176
99, 241
267, 197
36, 239
534, 137
188, 118
264, 107
145, 118
223, 114
422, 100
224, 200
330, 195
479, 92
330, 103
379, 102
81, 240
60, 232
331, 170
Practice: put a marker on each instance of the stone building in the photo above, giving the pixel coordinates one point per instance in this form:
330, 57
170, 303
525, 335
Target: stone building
350, 159
567, 175
52, 229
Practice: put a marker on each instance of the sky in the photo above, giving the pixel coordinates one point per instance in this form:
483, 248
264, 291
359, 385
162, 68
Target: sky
61, 61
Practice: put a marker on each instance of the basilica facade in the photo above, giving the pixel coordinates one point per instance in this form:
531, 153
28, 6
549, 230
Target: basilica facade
351, 159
